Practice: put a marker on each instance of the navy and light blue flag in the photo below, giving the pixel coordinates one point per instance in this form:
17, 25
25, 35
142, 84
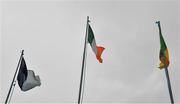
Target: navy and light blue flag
26, 78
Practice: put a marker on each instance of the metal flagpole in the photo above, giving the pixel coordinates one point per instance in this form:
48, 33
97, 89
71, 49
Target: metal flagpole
83, 62
169, 85
12, 91
84, 80
167, 73
12, 83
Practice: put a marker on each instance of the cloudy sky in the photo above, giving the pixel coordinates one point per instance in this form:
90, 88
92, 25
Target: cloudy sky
52, 35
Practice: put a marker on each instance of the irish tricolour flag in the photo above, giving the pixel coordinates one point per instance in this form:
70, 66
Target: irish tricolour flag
96, 49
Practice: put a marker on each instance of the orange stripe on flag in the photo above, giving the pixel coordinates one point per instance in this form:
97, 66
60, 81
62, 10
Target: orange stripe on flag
99, 52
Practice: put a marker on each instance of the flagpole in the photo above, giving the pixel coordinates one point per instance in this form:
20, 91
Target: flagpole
13, 81
12, 92
83, 62
167, 73
169, 85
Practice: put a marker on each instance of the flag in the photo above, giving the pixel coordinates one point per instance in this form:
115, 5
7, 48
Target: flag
26, 78
163, 55
96, 49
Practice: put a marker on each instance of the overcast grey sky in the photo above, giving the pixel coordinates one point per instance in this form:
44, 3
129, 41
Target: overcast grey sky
52, 35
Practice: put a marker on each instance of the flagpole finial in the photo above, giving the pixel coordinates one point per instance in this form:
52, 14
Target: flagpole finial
22, 52
158, 22
88, 19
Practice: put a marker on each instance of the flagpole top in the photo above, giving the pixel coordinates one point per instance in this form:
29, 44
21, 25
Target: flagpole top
158, 22
22, 52
88, 19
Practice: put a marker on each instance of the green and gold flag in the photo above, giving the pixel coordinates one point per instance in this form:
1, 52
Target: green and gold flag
163, 55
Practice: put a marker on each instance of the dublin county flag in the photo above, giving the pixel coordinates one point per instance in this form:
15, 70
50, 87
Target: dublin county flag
26, 78
96, 49
163, 55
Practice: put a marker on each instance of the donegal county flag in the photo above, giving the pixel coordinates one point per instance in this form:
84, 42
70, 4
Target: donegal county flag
163, 55
26, 78
96, 49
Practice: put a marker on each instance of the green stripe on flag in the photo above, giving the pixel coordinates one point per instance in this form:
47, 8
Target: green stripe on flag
162, 42
90, 35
